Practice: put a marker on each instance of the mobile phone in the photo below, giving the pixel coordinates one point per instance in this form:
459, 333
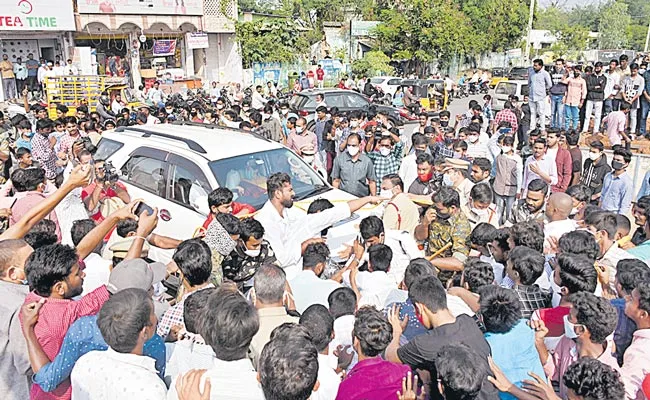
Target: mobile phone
142, 207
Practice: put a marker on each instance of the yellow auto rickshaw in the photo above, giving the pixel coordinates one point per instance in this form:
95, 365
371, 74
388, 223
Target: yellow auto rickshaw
431, 92
126, 95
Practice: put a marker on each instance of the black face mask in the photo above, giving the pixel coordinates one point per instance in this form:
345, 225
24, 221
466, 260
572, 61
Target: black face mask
418, 153
444, 124
449, 141
617, 165
443, 217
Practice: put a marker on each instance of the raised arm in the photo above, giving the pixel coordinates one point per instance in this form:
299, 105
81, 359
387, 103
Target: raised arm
78, 178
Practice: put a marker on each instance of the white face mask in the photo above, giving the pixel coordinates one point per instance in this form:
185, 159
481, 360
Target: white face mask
574, 211
284, 111
447, 181
353, 150
266, 116
299, 129
219, 106
569, 328
594, 156
253, 253
354, 124
472, 138
480, 212
506, 149
386, 193
384, 151
308, 159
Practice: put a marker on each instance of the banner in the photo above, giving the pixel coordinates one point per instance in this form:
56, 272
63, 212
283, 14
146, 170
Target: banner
140, 7
36, 15
164, 47
197, 40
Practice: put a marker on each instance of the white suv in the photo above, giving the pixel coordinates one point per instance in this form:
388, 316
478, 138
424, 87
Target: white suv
174, 167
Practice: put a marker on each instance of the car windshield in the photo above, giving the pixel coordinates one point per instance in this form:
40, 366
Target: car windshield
246, 175
377, 81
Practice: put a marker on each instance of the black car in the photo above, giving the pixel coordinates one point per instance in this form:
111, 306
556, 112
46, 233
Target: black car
304, 104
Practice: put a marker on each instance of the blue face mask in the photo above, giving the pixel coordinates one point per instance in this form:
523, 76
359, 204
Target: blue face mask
30, 134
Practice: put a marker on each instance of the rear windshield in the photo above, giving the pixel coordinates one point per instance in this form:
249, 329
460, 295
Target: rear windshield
299, 102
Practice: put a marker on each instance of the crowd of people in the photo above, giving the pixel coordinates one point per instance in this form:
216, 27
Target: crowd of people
491, 261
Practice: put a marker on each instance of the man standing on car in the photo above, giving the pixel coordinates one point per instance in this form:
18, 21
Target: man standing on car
558, 90
539, 83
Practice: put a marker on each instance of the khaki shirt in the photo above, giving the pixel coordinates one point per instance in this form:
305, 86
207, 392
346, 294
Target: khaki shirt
7, 69
401, 214
270, 318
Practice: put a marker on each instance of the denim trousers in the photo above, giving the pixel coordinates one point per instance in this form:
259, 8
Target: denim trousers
504, 205
557, 111
645, 109
571, 117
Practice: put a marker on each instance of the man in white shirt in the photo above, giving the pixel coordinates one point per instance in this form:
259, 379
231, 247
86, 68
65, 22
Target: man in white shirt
155, 95
539, 166
288, 230
307, 287
319, 323
342, 306
229, 324
374, 285
558, 209
257, 100
70, 69
126, 321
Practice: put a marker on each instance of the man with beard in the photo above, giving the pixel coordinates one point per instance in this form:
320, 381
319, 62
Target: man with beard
290, 231
530, 208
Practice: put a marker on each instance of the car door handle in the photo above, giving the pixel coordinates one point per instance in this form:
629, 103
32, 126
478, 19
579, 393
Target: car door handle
165, 215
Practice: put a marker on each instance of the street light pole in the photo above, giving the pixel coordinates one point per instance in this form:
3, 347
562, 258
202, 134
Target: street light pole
530, 28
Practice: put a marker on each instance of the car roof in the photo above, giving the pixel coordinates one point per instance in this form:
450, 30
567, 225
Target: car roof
314, 92
206, 140
519, 81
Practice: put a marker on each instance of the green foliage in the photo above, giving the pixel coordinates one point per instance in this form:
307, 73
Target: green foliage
572, 36
512, 17
613, 26
373, 63
269, 41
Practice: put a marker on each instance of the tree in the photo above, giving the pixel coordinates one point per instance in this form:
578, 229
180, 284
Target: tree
501, 23
372, 63
424, 30
269, 41
571, 38
613, 26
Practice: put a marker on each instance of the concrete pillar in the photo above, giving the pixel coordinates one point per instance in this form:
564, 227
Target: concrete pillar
188, 54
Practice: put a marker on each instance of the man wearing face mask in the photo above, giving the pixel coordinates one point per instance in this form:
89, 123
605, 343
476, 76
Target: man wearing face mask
14, 360
308, 153
456, 176
445, 148
387, 157
285, 114
446, 229
408, 169
588, 325
445, 116
400, 213
596, 84
29, 185
353, 171
251, 252
594, 170
539, 84
427, 181
480, 207
270, 123
301, 137
477, 142
618, 187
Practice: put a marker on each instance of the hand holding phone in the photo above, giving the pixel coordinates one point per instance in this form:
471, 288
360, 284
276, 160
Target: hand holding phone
142, 207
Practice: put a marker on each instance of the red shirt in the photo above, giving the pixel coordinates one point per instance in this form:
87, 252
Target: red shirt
106, 192
236, 209
54, 319
320, 74
553, 319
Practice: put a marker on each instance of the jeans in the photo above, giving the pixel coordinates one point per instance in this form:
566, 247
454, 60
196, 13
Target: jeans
571, 117
504, 205
645, 108
9, 85
597, 107
537, 109
557, 109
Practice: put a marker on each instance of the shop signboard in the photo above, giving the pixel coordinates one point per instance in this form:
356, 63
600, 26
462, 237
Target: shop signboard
140, 7
197, 40
265, 72
36, 15
164, 47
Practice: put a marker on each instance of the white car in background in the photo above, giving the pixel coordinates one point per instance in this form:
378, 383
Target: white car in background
174, 167
388, 84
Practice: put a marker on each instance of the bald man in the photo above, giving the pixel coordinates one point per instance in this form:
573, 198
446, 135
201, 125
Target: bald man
558, 209
14, 360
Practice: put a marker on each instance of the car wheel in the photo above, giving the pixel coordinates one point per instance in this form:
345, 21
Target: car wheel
310, 126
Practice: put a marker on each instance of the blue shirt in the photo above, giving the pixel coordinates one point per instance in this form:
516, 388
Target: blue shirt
617, 193
414, 327
538, 84
641, 251
624, 330
20, 142
83, 337
516, 354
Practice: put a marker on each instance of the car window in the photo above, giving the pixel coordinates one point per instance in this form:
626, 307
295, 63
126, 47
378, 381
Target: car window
299, 102
524, 90
146, 173
246, 175
394, 81
335, 100
377, 81
356, 101
506, 88
189, 186
106, 148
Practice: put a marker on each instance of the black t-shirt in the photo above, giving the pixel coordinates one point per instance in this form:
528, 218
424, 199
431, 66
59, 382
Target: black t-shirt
421, 351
